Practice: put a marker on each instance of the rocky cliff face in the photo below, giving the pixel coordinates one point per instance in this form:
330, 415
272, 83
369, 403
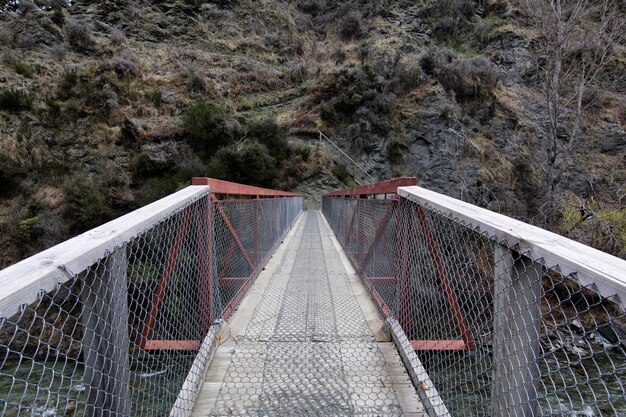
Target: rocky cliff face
93, 94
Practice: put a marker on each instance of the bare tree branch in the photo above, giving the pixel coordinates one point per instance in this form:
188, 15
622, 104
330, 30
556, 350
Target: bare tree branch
577, 39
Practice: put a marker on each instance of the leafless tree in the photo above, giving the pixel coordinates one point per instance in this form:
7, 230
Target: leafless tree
577, 41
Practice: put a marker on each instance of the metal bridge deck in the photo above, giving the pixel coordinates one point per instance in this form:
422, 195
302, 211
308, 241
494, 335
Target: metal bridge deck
307, 340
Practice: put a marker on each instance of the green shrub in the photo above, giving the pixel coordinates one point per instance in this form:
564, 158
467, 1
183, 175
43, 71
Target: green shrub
409, 77
195, 83
69, 80
304, 152
297, 73
350, 26
79, 37
359, 100
446, 112
155, 188
86, 204
156, 97
273, 136
29, 228
125, 67
58, 15
209, 127
98, 93
450, 18
352, 89
312, 7
428, 61
342, 173
23, 69
395, 152
51, 115
197, 3
145, 167
10, 174
469, 79
249, 163
15, 100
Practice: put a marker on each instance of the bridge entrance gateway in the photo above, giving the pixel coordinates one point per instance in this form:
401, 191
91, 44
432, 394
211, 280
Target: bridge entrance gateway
226, 299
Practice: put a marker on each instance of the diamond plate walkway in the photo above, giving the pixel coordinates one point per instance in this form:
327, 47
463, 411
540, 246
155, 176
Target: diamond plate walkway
307, 340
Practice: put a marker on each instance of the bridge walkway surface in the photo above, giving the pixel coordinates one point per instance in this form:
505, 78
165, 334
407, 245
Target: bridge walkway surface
307, 340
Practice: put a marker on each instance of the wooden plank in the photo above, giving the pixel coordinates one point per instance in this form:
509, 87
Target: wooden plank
517, 321
105, 338
233, 232
401, 382
591, 266
213, 379
21, 283
195, 378
426, 390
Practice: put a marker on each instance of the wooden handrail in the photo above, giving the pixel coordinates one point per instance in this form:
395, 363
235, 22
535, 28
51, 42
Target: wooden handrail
21, 283
590, 266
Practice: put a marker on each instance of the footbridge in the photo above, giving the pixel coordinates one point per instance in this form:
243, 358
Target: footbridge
224, 299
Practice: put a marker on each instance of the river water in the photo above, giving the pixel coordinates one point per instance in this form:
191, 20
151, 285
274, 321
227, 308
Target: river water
55, 388
586, 389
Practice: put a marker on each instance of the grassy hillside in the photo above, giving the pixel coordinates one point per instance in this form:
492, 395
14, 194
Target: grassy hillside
108, 105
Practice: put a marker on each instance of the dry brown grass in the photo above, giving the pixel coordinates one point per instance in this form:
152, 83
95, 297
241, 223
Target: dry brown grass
49, 196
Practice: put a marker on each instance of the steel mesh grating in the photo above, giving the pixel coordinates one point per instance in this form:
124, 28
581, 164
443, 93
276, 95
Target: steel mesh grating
307, 349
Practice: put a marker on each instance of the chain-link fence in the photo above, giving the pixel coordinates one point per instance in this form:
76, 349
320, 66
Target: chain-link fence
111, 323
499, 331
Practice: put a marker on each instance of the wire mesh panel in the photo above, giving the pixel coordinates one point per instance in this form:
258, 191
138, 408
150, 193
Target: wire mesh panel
499, 333
367, 232
119, 336
247, 232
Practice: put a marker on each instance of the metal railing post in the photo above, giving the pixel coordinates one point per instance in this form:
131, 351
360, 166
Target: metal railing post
105, 338
516, 333
405, 231
206, 269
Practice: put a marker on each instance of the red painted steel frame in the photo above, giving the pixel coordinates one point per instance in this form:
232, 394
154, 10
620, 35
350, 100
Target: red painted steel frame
232, 188
172, 345
206, 316
405, 271
445, 281
220, 209
382, 187
438, 345
168, 271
